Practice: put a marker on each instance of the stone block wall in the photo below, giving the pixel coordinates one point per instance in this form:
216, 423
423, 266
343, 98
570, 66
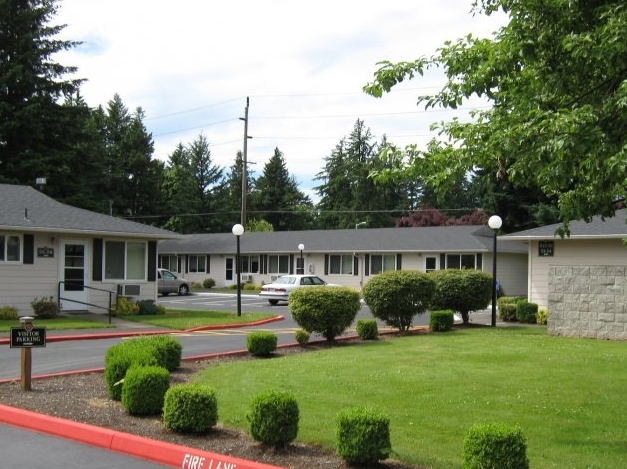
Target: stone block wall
588, 301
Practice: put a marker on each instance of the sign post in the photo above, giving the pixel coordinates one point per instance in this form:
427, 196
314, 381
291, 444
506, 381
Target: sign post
27, 337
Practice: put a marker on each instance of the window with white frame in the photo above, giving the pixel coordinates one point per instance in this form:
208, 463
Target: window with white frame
249, 264
382, 263
462, 261
341, 264
10, 248
197, 264
279, 264
169, 262
125, 260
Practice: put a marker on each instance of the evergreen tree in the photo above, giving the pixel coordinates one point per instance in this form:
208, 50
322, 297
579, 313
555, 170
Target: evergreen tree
35, 128
278, 199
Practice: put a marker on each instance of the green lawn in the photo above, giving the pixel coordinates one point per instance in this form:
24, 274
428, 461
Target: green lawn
189, 319
568, 395
57, 324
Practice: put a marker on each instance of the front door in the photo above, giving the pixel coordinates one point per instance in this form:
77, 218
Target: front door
229, 271
73, 275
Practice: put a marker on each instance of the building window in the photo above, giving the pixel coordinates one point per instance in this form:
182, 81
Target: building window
430, 264
170, 263
382, 263
249, 264
197, 264
461, 261
279, 264
10, 248
341, 265
125, 260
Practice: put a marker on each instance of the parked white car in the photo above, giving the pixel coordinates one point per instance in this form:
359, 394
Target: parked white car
280, 289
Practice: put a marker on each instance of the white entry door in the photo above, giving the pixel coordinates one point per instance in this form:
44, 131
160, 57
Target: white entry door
73, 275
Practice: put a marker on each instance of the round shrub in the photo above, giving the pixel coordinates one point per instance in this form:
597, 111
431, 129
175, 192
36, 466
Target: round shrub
397, 296
144, 389
261, 343
273, 418
148, 307
45, 308
167, 349
442, 321
190, 408
8, 312
507, 312
328, 311
542, 317
494, 446
208, 283
367, 329
526, 312
462, 291
362, 436
302, 337
126, 307
119, 358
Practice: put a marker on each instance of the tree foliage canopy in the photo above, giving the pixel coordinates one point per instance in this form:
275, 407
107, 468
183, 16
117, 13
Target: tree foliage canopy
556, 76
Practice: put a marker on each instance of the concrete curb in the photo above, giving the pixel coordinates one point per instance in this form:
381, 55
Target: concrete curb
132, 445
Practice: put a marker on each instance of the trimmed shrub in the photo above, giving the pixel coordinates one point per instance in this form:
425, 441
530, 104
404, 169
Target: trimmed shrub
208, 283
119, 358
273, 418
542, 317
507, 312
462, 290
8, 312
442, 321
251, 287
190, 408
397, 296
302, 337
328, 311
494, 446
367, 329
144, 389
126, 307
362, 436
261, 343
526, 312
148, 307
168, 350
45, 308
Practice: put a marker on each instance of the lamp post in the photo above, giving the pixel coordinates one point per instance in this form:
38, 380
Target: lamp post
494, 223
361, 223
238, 230
301, 246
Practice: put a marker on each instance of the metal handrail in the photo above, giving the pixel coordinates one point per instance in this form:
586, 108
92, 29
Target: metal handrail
109, 309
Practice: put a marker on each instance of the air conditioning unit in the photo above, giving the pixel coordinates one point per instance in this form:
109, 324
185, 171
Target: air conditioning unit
273, 277
129, 290
246, 277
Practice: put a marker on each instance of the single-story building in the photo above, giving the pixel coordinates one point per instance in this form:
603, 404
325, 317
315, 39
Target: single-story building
581, 279
78, 257
348, 257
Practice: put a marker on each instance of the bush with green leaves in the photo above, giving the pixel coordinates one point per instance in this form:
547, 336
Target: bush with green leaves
167, 349
462, 291
45, 308
363, 436
118, 359
126, 307
526, 312
507, 307
261, 343
273, 418
190, 408
144, 389
8, 312
302, 337
367, 329
208, 283
397, 296
494, 446
149, 307
442, 320
542, 317
328, 311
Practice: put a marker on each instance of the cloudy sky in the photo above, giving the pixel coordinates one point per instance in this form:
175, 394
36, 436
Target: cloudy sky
192, 64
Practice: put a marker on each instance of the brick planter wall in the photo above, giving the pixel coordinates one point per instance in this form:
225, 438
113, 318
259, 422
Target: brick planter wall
588, 301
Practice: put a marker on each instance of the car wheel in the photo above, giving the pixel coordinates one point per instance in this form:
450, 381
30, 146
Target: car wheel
183, 290
273, 302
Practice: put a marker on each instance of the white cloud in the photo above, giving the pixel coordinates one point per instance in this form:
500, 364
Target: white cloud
191, 64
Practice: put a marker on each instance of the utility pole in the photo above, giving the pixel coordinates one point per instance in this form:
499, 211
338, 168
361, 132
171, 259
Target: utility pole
245, 164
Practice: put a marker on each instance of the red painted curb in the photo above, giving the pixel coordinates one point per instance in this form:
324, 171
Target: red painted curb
156, 451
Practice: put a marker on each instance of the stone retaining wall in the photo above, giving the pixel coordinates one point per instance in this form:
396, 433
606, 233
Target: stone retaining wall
588, 301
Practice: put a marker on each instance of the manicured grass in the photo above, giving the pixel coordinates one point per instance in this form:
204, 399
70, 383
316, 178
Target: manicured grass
182, 319
568, 395
57, 324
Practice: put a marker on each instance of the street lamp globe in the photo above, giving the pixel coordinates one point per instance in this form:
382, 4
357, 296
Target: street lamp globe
495, 222
238, 230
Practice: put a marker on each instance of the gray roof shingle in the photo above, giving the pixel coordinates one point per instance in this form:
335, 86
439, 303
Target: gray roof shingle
26, 209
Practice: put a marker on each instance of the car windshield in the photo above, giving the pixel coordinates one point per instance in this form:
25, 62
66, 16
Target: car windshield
284, 280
